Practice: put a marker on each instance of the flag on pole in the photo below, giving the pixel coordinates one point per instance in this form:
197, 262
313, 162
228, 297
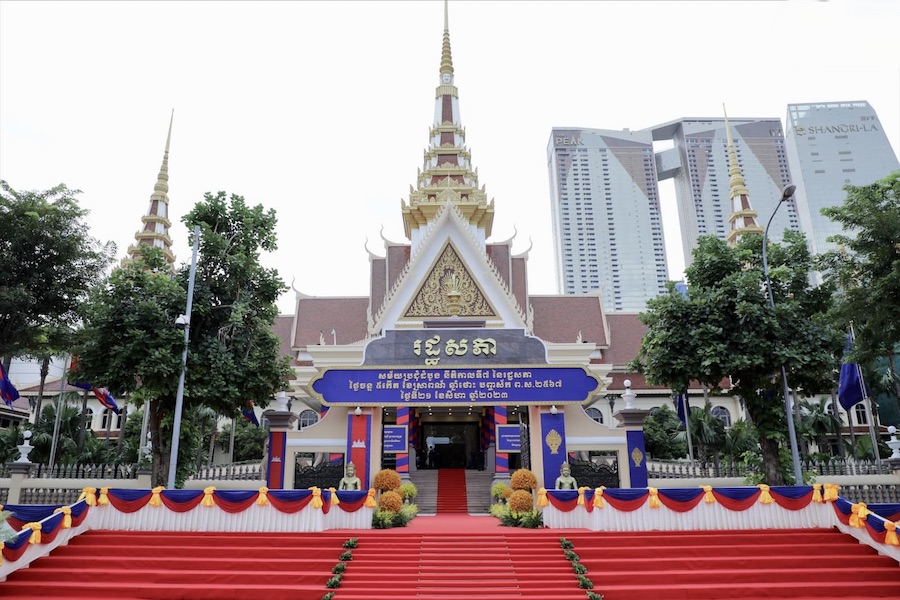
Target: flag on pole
106, 399
851, 388
8, 391
249, 414
683, 408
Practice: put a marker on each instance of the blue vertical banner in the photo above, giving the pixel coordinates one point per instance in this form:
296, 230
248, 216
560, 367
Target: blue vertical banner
501, 459
553, 445
402, 455
637, 458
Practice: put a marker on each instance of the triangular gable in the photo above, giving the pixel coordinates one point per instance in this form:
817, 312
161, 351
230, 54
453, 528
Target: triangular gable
449, 290
448, 255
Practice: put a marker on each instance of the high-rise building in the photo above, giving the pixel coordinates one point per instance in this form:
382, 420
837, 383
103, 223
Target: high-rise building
700, 162
831, 145
606, 219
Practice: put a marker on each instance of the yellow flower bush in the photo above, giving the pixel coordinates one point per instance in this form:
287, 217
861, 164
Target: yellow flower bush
386, 479
520, 501
523, 479
391, 502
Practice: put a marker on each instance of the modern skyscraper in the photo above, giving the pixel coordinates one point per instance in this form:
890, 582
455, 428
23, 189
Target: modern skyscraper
606, 219
701, 165
831, 145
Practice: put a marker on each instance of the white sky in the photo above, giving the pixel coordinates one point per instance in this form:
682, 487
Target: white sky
321, 110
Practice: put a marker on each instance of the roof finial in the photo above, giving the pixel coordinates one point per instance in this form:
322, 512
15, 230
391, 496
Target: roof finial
446, 59
736, 179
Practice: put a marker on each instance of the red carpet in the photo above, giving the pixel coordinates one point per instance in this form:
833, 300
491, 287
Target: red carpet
456, 557
452, 497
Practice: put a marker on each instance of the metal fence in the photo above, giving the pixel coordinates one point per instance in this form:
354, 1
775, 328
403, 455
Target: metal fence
871, 494
84, 471
658, 469
242, 471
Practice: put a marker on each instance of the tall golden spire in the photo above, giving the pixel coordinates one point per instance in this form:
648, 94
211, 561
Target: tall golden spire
743, 217
156, 222
447, 174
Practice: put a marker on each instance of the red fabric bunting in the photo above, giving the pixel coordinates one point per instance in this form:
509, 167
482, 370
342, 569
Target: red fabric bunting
180, 507
350, 507
563, 505
677, 505
843, 518
626, 505
736, 505
791, 503
234, 507
126, 506
876, 535
290, 506
14, 554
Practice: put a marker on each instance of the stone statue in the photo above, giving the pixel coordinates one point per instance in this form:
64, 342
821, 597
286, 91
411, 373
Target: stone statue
565, 481
350, 481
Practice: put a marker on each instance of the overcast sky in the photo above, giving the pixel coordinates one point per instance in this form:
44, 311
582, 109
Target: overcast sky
321, 110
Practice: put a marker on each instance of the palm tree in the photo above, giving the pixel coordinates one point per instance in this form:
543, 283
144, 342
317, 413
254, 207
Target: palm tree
817, 423
69, 427
708, 433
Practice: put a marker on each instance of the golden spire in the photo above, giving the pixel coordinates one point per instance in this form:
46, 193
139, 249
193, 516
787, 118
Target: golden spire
743, 217
156, 222
447, 174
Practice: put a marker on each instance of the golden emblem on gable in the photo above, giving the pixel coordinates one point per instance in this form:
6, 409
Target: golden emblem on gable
554, 441
449, 290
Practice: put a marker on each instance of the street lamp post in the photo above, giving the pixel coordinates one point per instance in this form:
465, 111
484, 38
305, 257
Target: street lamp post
183, 321
792, 433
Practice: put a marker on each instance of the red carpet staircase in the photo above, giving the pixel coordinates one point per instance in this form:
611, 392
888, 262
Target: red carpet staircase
477, 562
452, 497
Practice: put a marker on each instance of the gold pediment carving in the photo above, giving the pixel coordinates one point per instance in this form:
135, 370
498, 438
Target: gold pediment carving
449, 290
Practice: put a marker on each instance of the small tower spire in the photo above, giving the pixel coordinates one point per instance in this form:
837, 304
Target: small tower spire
447, 174
743, 217
156, 222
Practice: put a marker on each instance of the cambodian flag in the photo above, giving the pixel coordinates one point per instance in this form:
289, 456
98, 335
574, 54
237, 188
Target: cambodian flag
683, 408
106, 399
8, 391
851, 388
73, 366
249, 414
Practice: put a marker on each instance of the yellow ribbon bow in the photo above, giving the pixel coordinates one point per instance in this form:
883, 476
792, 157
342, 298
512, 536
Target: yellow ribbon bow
370, 499
708, 497
890, 537
207, 496
317, 497
104, 497
542, 501
334, 498
89, 495
817, 493
155, 499
67, 516
2, 546
765, 497
263, 498
35, 532
858, 515
654, 498
831, 492
598, 497
581, 492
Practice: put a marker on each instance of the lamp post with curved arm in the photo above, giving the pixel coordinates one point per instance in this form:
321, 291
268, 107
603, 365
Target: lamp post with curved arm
792, 433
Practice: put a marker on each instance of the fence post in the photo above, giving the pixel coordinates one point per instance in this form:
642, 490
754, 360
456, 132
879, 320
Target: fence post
18, 474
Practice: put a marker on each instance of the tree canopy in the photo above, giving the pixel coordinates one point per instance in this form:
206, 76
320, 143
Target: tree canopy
866, 270
131, 345
724, 330
49, 263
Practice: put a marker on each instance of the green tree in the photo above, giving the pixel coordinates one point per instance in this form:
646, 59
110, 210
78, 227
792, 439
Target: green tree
724, 329
707, 434
249, 440
817, 422
740, 438
659, 434
48, 261
130, 344
866, 270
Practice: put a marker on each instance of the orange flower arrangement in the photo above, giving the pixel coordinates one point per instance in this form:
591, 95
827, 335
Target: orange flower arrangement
386, 479
390, 501
520, 501
523, 479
